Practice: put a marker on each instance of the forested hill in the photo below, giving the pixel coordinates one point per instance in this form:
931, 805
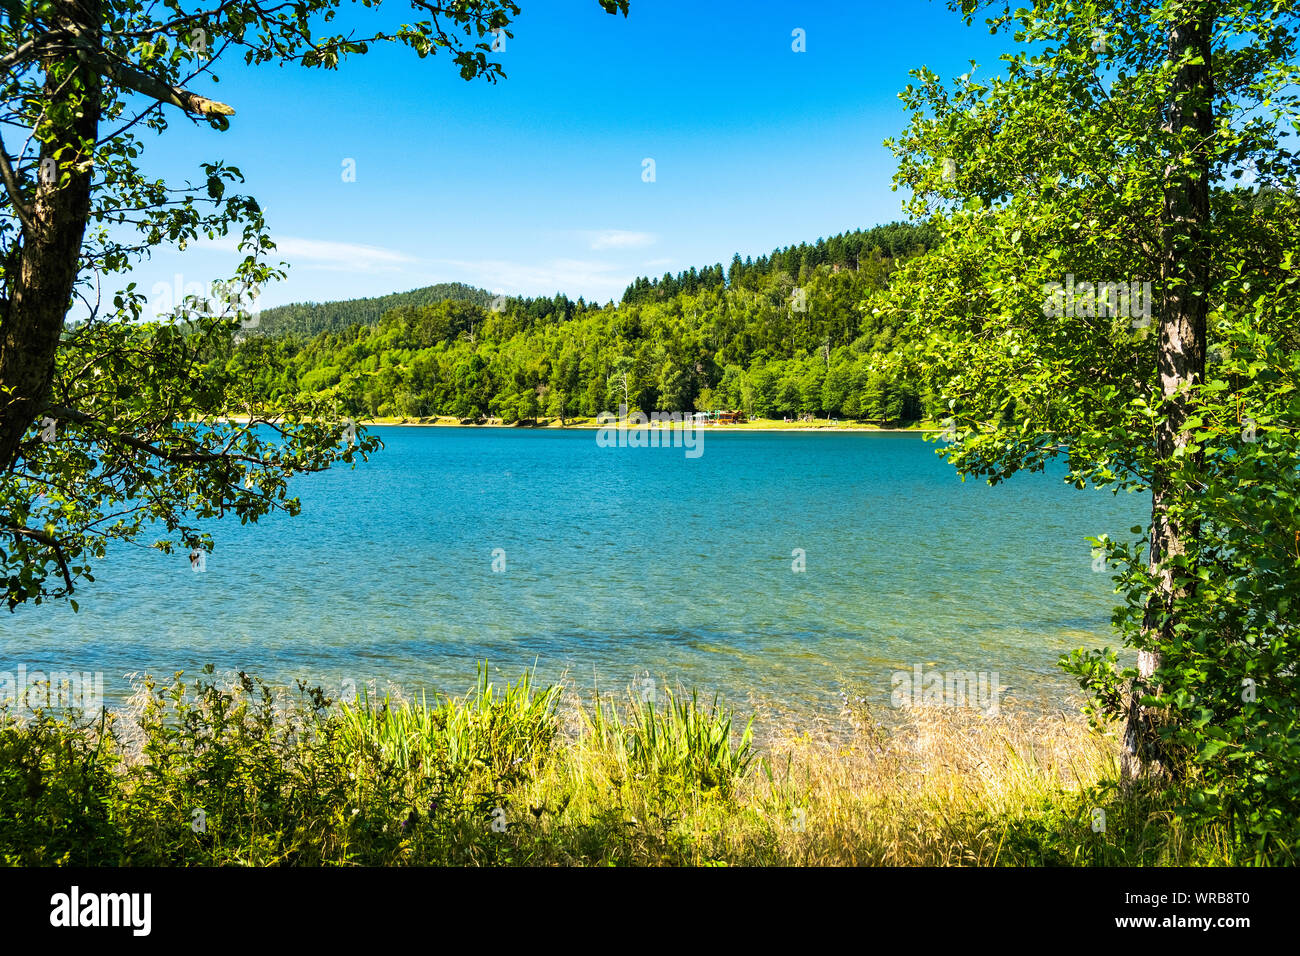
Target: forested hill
792, 333
845, 251
308, 318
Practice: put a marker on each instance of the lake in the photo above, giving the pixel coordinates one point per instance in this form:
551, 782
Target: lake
611, 563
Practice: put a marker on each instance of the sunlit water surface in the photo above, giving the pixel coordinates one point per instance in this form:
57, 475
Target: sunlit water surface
617, 563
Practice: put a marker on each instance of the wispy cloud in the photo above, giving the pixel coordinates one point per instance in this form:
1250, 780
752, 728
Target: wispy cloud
598, 239
323, 255
574, 277
592, 278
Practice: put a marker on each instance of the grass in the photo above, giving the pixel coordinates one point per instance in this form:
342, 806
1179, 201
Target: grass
237, 773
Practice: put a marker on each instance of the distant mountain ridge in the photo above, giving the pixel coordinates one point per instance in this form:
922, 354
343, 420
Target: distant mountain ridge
310, 318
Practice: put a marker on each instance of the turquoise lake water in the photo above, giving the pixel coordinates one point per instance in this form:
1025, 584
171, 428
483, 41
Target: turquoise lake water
618, 562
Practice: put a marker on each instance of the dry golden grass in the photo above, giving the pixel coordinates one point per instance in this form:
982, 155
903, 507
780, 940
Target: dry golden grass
939, 787
915, 793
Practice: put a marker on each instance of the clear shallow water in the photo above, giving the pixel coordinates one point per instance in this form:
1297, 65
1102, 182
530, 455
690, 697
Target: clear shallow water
618, 561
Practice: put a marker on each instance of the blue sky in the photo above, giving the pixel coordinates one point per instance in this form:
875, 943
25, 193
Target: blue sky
534, 185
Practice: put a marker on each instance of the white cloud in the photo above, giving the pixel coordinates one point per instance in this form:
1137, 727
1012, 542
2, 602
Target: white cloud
596, 281
593, 279
319, 254
619, 239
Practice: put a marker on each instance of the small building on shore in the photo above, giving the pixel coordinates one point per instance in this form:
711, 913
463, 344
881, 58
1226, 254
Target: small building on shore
721, 417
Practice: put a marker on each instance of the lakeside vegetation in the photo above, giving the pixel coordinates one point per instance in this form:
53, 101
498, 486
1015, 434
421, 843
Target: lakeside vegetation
206, 772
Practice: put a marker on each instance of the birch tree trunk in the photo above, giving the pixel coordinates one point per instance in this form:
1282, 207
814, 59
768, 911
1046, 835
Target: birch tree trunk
1184, 282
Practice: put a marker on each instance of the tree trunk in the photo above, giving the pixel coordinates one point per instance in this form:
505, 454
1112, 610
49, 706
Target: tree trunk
31, 323
1184, 284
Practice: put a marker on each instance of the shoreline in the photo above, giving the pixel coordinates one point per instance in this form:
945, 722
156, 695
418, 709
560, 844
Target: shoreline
587, 424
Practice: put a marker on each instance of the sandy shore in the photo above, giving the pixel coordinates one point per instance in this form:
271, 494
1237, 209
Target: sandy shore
763, 425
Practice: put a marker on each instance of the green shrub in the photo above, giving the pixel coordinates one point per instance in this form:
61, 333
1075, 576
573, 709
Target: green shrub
56, 785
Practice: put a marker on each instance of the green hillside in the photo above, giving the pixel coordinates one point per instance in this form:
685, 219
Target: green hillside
309, 318
788, 334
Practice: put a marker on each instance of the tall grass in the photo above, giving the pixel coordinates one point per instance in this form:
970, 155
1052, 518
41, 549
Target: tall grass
681, 742
500, 735
519, 773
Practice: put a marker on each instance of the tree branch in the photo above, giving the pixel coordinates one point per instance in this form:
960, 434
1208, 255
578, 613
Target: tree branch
15, 193
132, 79
175, 457
52, 544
